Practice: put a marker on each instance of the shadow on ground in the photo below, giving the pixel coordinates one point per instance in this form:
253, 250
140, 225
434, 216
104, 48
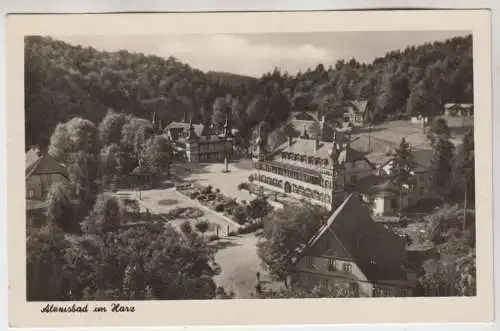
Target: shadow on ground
224, 243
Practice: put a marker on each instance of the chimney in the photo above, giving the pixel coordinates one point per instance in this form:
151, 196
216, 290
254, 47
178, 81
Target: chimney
316, 144
289, 141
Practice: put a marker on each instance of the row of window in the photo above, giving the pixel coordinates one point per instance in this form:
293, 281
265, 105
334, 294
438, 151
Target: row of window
389, 292
297, 175
346, 289
304, 158
332, 264
213, 156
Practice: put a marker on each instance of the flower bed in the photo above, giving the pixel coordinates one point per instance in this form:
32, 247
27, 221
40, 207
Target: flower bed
212, 198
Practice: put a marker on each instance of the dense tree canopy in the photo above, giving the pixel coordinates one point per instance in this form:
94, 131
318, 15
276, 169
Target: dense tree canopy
285, 231
64, 81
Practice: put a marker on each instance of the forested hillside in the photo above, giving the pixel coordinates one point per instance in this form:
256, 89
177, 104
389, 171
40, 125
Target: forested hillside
63, 81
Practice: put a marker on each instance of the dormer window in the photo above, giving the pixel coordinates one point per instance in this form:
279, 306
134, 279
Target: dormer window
372, 261
332, 265
347, 268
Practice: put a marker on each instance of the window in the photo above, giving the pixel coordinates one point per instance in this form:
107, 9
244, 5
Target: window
373, 261
324, 282
347, 268
354, 289
376, 292
389, 292
354, 179
31, 193
309, 262
331, 264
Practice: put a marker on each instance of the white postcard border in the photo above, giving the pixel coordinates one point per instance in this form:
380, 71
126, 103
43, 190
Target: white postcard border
256, 312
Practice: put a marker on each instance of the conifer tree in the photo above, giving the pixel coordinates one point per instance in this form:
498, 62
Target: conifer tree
403, 165
442, 158
464, 170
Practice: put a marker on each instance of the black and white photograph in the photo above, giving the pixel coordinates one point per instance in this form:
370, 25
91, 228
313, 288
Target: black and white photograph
269, 165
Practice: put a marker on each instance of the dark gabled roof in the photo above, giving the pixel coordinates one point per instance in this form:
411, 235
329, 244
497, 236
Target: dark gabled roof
365, 240
310, 116
359, 106
45, 165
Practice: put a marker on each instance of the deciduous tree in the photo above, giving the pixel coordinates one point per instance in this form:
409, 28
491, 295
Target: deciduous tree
60, 206
285, 232
106, 216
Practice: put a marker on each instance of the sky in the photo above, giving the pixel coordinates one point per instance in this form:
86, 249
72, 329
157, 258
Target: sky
254, 54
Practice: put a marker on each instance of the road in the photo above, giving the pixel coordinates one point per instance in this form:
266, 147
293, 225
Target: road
239, 262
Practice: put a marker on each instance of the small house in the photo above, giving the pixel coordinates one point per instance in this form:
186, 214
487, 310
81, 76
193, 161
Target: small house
42, 172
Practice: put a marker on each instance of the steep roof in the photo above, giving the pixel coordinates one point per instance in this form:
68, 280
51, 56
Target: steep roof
304, 115
299, 125
458, 105
365, 241
45, 165
359, 105
176, 128
306, 147
379, 185
31, 156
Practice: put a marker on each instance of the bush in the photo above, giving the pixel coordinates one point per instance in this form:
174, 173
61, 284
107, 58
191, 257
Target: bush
251, 178
213, 237
219, 207
217, 190
240, 215
186, 227
207, 189
232, 234
194, 195
250, 227
243, 186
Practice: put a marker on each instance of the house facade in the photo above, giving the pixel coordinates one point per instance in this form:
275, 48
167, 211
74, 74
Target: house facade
199, 143
385, 197
355, 112
353, 253
41, 173
459, 109
310, 121
309, 168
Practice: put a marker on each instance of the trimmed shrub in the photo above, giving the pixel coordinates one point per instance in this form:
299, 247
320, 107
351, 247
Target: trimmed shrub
207, 189
186, 227
213, 237
240, 215
232, 234
250, 227
243, 186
